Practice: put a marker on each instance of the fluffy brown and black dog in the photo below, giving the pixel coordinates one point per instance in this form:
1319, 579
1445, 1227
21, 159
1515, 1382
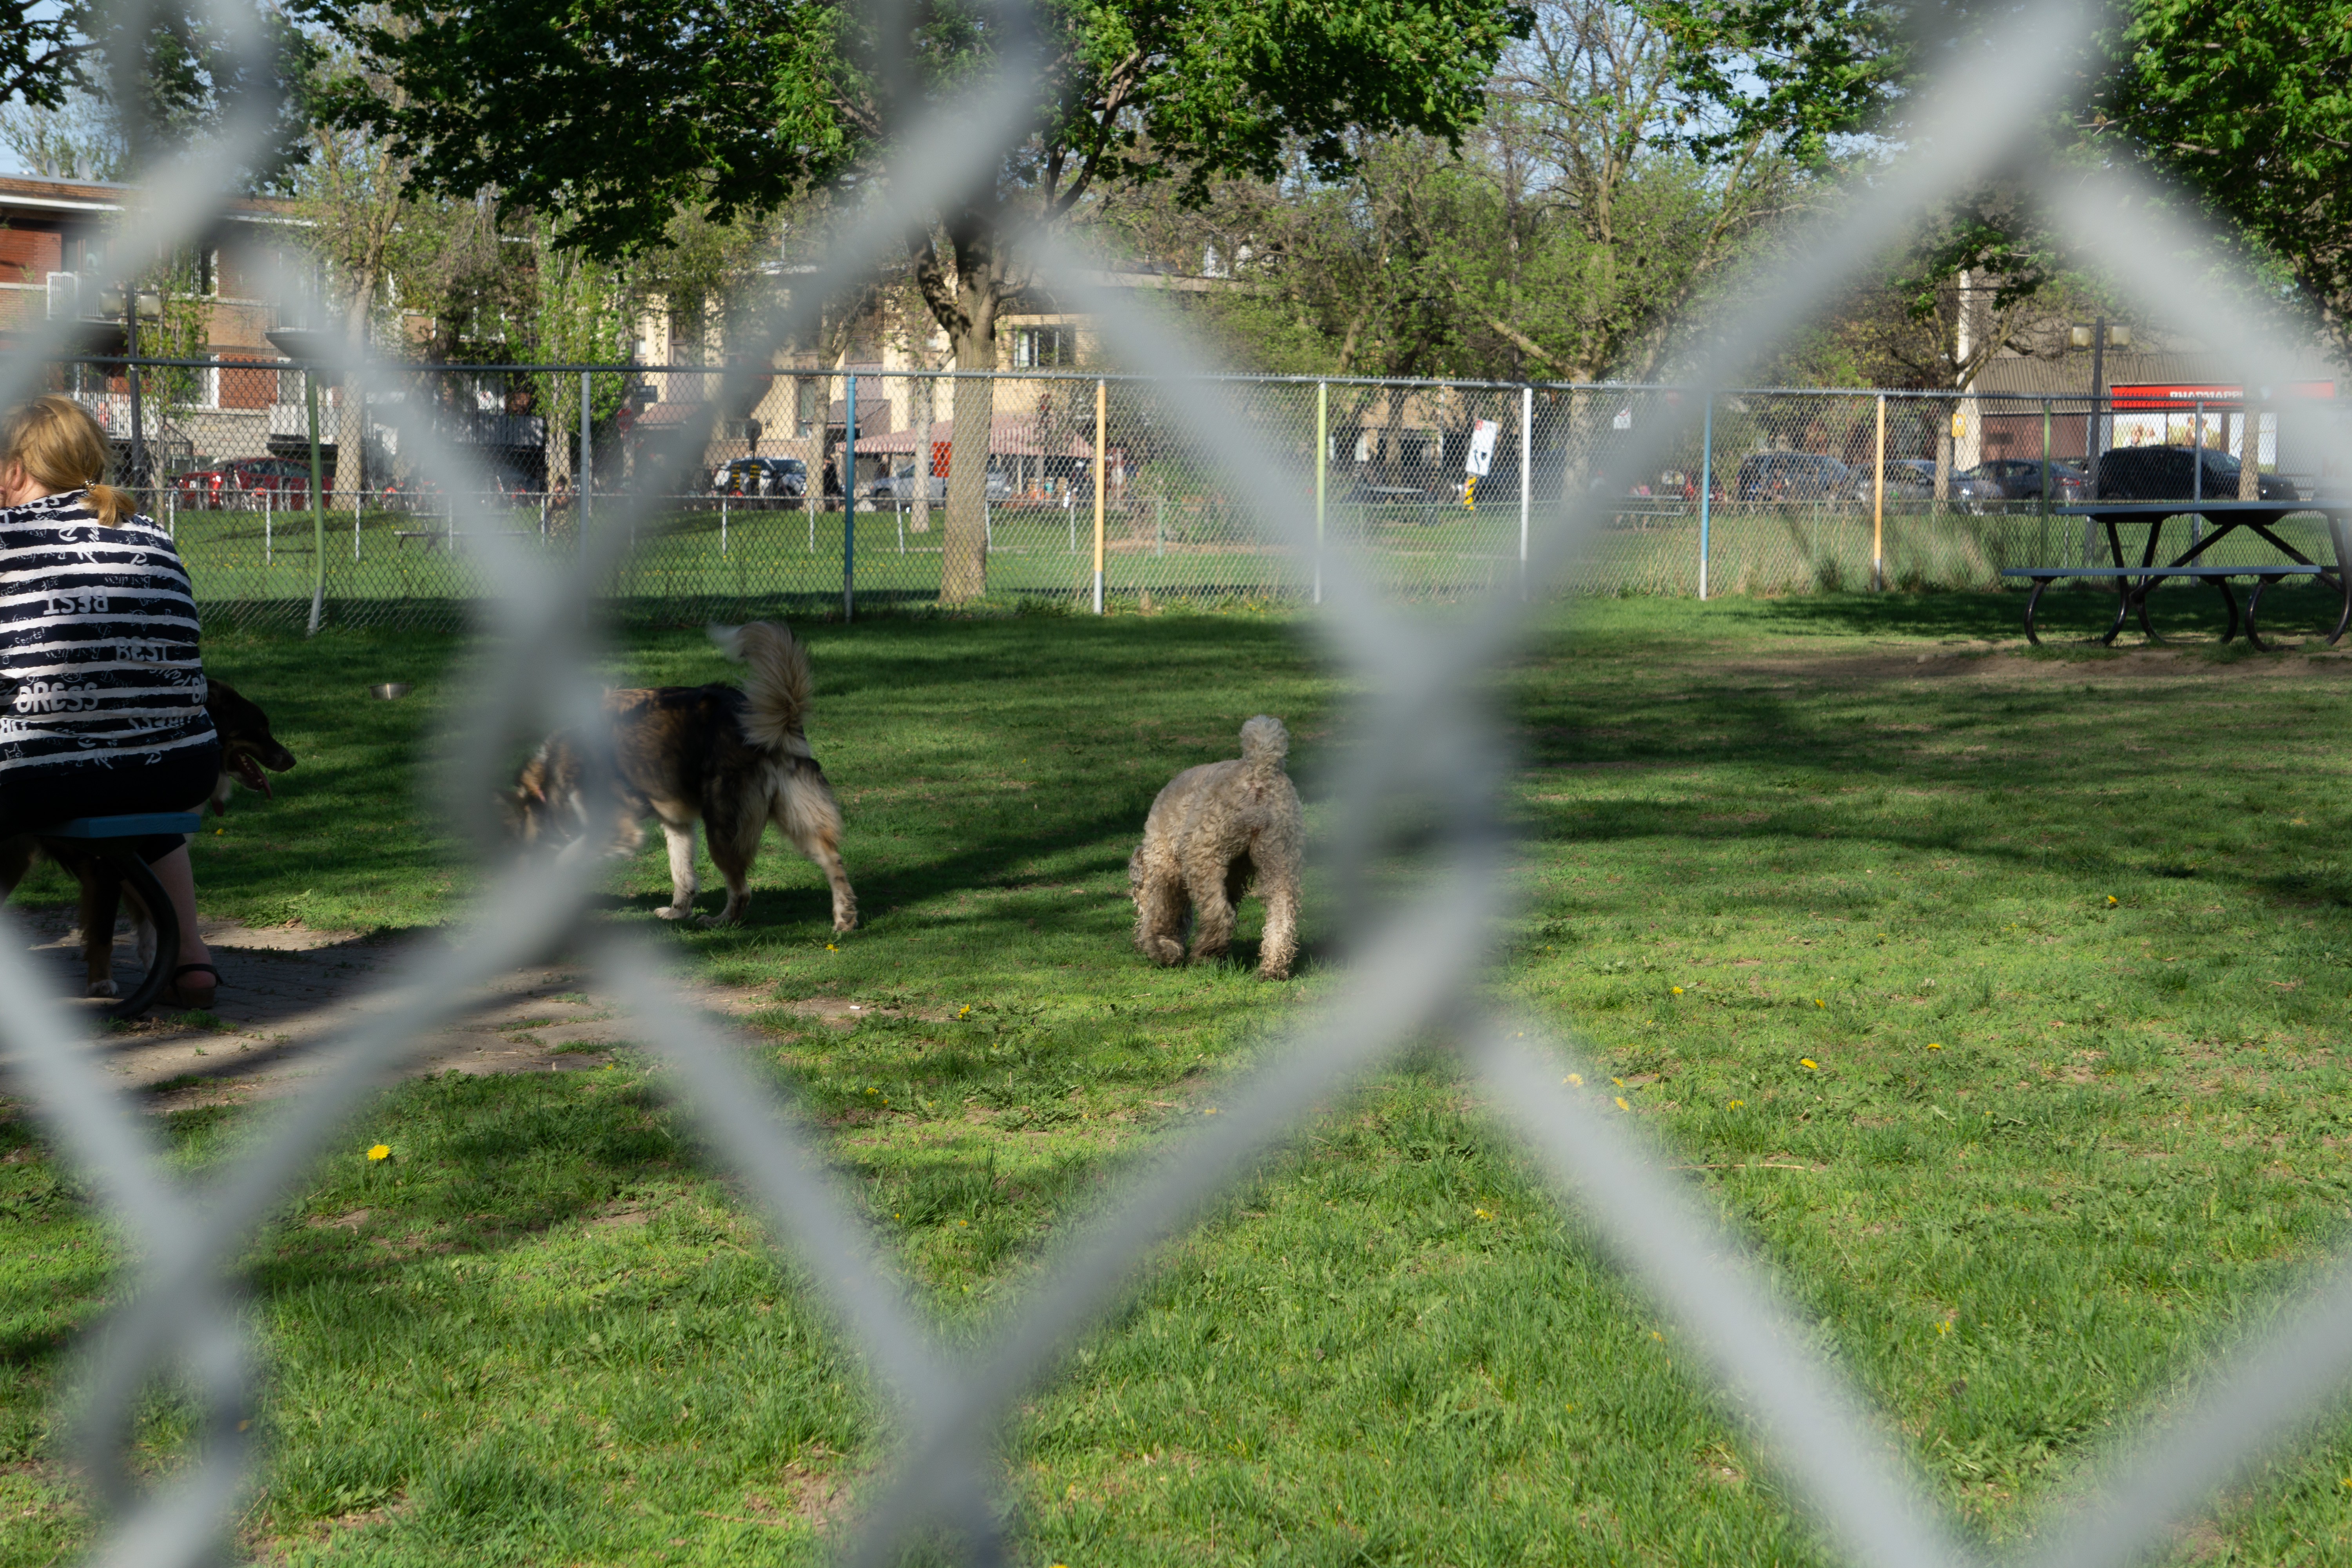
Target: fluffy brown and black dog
733, 760
1212, 832
247, 748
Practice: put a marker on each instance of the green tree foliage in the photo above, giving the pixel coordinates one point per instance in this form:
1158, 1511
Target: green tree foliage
2248, 104
2240, 111
620, 115
41, 46
1569, 236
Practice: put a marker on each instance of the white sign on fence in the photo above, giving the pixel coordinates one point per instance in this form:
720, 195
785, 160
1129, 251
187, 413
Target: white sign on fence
1482, 449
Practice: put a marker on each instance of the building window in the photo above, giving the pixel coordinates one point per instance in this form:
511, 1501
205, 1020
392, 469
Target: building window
810, 413
1044, 348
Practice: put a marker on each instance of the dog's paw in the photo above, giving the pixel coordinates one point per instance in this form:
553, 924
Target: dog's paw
100, 988
1168, 949
720, 919
674, 913
844, 924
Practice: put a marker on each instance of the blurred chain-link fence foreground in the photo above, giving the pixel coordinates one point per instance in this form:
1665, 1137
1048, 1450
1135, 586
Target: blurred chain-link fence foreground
1432, 487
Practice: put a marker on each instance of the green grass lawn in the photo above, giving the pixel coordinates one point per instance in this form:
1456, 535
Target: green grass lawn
2000, 998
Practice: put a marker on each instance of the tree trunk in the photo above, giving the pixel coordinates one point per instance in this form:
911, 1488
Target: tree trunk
350, 422
2250, 467
924, 392
963, 296
963, 569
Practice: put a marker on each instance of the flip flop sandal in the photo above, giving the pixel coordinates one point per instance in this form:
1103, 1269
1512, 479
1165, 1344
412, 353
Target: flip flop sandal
175, 995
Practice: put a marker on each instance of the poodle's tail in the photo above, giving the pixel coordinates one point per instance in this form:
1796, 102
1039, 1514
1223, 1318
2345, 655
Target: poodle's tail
1264, 742
777, 682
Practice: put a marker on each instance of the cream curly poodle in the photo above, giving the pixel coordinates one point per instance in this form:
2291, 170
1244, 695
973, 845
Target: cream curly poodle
1212, 831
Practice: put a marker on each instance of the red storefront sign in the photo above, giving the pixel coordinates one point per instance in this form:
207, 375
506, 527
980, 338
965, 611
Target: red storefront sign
2186, 396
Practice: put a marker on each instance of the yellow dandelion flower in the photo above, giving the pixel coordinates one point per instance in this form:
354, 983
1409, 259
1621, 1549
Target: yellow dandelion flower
1934, 1047
1655, 1335
830, 947
1809, 1064
1738, 1105
1482, 1214
2111, 901
963, 1222
381, 1152
1618, 1081
1819, 1002
1622, 1105
1211, 1110
1944, 1326
1574, 1079
1678, 990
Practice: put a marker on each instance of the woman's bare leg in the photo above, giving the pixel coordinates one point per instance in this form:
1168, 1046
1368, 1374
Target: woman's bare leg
178, 880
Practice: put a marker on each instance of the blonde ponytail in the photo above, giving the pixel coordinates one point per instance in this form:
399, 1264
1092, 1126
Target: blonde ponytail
62, 448
112, 505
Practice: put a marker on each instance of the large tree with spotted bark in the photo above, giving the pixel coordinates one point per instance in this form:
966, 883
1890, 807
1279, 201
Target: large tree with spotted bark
619, 114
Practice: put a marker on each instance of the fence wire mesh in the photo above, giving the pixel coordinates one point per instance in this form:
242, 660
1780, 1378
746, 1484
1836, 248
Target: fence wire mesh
1343, 493
787, 509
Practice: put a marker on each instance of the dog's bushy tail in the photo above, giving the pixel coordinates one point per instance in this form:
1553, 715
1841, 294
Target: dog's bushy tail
777, 682
1264, 742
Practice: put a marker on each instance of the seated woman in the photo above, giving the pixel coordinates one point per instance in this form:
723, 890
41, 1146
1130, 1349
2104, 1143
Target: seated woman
102, 693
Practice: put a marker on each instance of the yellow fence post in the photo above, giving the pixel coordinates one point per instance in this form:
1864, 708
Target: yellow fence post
1101, 467
1878, 503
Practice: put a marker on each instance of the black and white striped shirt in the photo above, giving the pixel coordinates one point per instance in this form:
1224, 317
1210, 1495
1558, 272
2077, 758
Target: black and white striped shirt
98, 641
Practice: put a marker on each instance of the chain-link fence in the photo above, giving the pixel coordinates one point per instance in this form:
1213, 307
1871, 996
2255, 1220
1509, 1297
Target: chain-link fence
1340, 492
1433, 488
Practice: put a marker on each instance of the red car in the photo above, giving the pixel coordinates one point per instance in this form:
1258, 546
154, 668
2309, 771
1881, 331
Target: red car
241, 484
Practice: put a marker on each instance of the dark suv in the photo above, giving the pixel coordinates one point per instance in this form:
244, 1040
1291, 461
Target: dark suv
1798, 476
2164, 473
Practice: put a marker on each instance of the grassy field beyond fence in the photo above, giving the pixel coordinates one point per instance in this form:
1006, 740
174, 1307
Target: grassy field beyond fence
2000, 998
408, 569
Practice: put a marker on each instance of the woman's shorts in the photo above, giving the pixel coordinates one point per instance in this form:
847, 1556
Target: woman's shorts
47, 796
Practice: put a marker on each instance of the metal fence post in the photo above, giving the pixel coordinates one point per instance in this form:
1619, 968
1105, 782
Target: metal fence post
585, 481
1322, 476
1705, 483
318, 513
1527, 476
722, 522
1878, 502
268, 543
849, 507
1102, 404
358, 494
2197, 474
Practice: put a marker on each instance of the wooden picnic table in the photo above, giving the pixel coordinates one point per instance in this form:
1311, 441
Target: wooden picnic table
2135, 581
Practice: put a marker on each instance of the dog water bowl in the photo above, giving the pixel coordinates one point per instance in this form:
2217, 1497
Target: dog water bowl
389, 690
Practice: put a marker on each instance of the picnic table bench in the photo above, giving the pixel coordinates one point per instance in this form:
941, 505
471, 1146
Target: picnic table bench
2135, 583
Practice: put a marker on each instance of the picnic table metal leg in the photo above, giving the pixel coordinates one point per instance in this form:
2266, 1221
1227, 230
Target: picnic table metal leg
2254, 603
2033, 603
2123, 589
2343, 578
2229, 604
140, 880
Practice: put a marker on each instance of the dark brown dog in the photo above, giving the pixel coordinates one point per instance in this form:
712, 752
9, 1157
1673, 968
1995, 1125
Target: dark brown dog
246, 749
733, 760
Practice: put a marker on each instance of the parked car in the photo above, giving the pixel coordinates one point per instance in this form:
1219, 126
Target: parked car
902, 484
770, 480
2169, 473
2000, 480
242, 483
1798, 476
899, 486
1908, 478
